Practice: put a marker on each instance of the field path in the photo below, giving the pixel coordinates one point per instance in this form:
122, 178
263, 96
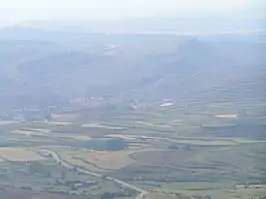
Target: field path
142, 193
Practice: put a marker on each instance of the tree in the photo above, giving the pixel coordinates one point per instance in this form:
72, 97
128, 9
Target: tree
75, 168
63, 175
107, 195
172, 148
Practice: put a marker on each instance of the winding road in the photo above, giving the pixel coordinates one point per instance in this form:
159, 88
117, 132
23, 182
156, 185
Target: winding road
142, 193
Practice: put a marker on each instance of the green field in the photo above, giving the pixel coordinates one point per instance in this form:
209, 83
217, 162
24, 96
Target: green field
48, 176
172, 153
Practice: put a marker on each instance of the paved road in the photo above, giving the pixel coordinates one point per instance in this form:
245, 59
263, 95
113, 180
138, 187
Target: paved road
56, 157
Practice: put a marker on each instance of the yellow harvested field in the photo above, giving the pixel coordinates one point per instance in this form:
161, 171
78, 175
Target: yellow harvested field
29, 132
122, 136
72, 159
19, 154
229, 116
76, 137
46, 132
58, 123
109, 160
102, 160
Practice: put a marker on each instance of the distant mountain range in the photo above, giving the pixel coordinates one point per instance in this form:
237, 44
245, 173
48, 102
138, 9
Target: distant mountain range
44, 67
192, 26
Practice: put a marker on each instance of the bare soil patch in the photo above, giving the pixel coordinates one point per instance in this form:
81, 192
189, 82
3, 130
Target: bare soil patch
227, 116
99, 159
19, 154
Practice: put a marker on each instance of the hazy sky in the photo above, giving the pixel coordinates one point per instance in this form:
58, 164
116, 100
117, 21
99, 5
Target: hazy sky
23, 10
